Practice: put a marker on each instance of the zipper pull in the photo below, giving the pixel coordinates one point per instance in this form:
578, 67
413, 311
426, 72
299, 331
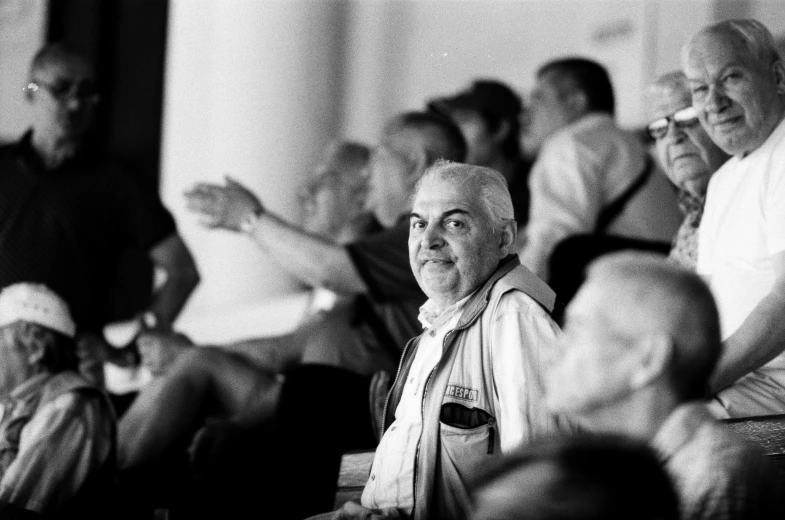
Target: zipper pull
491, 435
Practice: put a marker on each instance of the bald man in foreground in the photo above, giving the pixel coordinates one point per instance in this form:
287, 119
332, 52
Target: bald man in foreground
642, 337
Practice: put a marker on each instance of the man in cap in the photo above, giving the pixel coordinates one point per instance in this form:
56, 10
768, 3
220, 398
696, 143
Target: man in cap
488, 114
737, 80
57, 431
641, 339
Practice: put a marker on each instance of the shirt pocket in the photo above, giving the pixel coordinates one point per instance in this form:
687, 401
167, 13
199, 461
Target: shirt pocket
469, 440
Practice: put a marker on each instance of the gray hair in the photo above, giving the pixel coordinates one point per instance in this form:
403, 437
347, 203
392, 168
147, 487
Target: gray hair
489, 185
674, 81
666, 299
755, 36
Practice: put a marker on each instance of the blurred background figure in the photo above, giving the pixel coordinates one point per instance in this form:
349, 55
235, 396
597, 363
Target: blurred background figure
57, 430
488, 114
77, 223
641, 339
582, 478
593, 183
687, 155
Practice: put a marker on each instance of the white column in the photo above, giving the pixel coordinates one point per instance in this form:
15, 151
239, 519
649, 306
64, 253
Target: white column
252, 90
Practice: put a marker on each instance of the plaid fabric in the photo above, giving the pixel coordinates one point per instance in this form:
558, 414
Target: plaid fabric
685, 246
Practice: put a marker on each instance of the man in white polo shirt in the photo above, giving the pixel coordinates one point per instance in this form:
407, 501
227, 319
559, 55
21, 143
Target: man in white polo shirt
737, 80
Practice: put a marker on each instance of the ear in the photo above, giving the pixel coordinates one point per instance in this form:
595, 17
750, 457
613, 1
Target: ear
778, 69
502, 132
655, 355
578, 102
508, 235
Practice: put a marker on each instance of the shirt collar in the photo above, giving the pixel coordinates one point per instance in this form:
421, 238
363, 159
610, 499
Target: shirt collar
429, 313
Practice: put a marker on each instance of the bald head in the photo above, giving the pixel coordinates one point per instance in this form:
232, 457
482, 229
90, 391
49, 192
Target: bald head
645, 295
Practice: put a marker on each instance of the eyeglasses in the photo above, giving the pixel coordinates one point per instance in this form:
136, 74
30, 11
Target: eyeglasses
63, 90
684, 118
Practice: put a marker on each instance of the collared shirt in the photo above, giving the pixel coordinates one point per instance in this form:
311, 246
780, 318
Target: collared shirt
581, 169
66, 441
717, 475
685, 246
392, 478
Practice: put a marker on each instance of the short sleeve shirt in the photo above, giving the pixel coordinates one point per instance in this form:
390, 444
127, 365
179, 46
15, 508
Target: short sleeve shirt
382, 261
74, 228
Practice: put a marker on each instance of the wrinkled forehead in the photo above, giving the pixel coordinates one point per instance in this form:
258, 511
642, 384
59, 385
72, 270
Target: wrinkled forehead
439, 193
711, 51
65, 67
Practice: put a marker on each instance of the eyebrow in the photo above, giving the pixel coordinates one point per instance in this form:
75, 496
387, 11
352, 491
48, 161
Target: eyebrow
443, 215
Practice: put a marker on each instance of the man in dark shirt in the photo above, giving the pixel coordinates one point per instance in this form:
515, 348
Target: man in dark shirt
71, 220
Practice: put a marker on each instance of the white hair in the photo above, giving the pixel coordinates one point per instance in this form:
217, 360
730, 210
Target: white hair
755, 36
489, 185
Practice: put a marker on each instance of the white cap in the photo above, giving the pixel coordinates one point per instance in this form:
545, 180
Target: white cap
35, 303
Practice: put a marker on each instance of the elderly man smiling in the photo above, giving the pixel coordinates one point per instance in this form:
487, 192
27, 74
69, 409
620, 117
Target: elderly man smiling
737, 80
471, 386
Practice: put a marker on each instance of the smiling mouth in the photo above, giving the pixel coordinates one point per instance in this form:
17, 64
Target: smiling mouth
726, 123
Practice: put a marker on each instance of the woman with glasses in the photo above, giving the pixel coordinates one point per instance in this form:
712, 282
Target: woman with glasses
688, 156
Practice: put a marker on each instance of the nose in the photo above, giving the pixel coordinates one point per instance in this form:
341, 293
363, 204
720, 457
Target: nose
432, 237
716, 99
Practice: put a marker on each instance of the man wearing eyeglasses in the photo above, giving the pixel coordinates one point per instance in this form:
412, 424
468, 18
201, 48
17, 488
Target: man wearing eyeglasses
73, 221
687, 154
737, 82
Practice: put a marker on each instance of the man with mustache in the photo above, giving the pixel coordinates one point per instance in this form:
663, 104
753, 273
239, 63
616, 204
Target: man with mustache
737, 81
470, 387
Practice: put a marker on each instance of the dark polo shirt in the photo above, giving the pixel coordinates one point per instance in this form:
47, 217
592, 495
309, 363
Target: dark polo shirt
83, 229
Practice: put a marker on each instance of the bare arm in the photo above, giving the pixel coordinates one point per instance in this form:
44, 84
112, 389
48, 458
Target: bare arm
172, 255
312, 259
759, 339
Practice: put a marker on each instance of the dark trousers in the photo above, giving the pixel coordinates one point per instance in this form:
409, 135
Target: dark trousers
323, 412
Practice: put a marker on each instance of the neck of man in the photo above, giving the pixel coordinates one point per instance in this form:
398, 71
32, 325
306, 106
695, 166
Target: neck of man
54, 150
640, 415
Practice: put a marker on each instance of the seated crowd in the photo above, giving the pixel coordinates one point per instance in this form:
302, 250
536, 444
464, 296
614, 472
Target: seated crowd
523, 312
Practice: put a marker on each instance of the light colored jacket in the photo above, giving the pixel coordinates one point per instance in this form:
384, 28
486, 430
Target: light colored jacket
460, 436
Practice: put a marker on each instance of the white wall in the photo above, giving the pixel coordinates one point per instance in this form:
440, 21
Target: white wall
251, 90
257, 87
22, 29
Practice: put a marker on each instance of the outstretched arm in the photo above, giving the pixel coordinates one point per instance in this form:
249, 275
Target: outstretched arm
760, 338
312, 259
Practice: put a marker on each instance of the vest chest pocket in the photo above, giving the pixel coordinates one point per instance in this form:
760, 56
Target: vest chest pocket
468, 445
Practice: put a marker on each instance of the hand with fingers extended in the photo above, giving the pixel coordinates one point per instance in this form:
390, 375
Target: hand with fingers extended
226, 207
380, 387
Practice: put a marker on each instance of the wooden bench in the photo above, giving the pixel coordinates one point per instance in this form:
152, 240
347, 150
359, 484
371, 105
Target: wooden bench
766, 431
355, 468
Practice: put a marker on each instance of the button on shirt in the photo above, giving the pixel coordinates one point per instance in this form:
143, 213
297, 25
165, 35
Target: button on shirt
392, 475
